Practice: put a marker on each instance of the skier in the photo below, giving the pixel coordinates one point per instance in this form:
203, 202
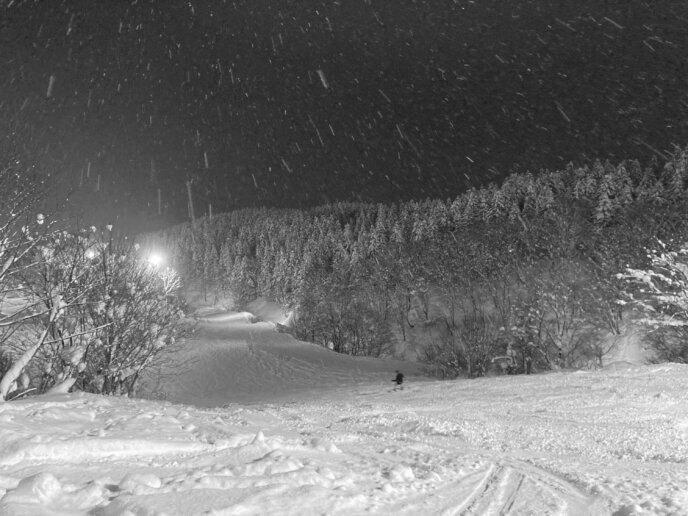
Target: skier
399, 380
529, 363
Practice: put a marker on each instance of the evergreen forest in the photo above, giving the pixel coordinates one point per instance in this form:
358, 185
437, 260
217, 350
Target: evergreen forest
530, 267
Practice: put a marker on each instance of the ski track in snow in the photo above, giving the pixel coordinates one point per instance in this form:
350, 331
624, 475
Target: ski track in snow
284, 427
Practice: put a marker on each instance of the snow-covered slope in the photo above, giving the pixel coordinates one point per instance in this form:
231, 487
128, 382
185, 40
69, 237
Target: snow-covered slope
240, 357
605, 442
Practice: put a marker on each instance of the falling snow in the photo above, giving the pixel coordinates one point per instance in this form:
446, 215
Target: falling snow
222, 92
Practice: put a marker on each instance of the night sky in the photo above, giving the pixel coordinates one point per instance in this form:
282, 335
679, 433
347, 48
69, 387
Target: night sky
296, 103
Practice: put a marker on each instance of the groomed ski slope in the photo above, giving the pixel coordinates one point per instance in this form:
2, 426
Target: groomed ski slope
241, 357
289, 428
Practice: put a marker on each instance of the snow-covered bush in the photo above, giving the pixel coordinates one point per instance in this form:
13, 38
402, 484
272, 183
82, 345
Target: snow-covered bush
102, 314
59, 282
22, 231
661, 290
660, 293
73, 307
444, 360
136, 311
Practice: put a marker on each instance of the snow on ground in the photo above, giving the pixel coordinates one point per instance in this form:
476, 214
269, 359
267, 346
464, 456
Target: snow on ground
331, 436
240, 357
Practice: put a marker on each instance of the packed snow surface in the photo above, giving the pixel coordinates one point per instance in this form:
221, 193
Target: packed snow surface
242, 357
327, 441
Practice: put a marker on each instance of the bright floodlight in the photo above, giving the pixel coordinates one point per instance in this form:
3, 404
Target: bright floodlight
90, 254
156, 259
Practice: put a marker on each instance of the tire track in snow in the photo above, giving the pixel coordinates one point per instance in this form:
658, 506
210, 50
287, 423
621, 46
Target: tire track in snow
477, 494
509, 502
501, 484
496, 494
492, 493
505, 487
514, 487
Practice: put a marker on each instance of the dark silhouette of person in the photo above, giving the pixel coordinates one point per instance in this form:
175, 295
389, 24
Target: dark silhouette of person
399, 378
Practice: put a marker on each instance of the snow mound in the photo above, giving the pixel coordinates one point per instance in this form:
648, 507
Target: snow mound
269, 311
229, 317
620, 365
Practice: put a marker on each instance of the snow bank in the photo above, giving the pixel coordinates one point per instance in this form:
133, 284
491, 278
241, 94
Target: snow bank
269, 311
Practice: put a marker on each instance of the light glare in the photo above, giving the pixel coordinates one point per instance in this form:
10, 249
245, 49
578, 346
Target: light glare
156, 259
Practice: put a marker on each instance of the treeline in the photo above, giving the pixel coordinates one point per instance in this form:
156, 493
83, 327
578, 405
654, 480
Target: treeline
528, 266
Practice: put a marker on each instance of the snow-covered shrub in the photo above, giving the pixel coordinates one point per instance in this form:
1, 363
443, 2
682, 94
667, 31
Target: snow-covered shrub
107, 313
444, 360
22, 230
660, 293
58, 283
137, 312
662, 289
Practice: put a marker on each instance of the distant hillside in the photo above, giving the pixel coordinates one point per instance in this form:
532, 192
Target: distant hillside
529, 265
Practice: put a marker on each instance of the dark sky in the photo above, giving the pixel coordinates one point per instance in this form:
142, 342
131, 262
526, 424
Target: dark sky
295, 103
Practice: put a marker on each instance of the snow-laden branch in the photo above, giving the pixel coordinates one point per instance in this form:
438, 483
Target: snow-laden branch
661, 291
10, 377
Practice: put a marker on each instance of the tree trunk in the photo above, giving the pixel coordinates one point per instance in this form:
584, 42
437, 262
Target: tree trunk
16, 370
